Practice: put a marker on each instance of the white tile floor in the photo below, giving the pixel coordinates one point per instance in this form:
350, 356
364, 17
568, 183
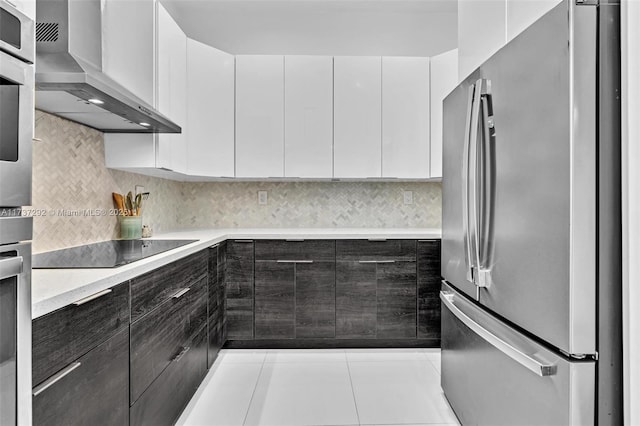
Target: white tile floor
322, 387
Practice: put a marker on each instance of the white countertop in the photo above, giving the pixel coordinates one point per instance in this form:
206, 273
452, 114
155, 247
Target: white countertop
53, 289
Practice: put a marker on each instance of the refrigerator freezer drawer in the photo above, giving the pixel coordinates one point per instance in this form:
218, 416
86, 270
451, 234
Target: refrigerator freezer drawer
493, 375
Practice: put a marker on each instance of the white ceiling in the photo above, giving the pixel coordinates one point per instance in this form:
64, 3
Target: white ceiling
321, 27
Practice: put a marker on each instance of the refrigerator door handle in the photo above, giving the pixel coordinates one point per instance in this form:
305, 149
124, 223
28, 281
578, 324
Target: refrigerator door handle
473, 213
465, 185
484, 185
526, 360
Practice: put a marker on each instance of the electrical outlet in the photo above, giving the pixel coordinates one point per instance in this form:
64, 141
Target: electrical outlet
262, 197
139, 189
408, 197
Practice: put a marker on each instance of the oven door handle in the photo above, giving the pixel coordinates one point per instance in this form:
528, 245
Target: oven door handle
11, 267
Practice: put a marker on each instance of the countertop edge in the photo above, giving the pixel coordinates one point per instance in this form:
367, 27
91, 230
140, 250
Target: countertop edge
91, 281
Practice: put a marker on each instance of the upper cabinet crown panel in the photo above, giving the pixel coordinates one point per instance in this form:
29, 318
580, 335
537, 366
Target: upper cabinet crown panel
357, 117
210, 111
308, 101
444, 78
259, 116
405, 117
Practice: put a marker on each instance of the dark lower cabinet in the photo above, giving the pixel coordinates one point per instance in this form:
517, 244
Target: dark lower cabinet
315, 299
275, 300
160, 337
396, 300
356, 300
239, 289
429, 290
95, 392
216, 301
163, 402
70, 332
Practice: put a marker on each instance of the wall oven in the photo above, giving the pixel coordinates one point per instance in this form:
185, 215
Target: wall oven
17, 47
16, 105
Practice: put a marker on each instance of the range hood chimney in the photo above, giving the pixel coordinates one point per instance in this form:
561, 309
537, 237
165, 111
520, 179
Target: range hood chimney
69, 78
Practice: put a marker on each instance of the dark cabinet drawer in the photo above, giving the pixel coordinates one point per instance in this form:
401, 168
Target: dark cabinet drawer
363, 250
216, 301
158, 338
317, 250
239, 277
95, 392
429, 289
148, 291
68, 333
163, 402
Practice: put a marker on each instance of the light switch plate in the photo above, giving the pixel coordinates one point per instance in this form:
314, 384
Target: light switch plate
262, 197
408, 197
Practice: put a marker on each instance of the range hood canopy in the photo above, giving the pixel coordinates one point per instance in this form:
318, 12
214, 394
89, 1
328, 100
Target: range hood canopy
69, 77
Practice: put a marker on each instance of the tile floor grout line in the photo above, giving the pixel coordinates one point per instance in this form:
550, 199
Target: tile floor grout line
353, 391
246, 415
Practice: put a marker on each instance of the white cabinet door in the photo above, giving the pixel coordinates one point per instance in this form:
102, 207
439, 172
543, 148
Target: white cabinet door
128, 45
405, 117
28, 7
259, 116
172, 91
210, 111
522, 13
308, 134
481, 32
357, 141
444, 78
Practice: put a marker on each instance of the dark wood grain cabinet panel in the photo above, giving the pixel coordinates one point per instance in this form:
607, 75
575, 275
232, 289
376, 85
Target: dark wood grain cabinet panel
216, 301
150, 290
429, 289
315, 299
274, 300
365, 250
239, 282
162, 403
160, 337
316, 250
356, 300
94, 393
70, 332
396, 300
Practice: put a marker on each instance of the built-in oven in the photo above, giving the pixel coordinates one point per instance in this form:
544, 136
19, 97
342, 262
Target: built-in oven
17, 48
15, 334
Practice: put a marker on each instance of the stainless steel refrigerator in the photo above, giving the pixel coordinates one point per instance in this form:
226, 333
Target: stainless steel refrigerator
531, 297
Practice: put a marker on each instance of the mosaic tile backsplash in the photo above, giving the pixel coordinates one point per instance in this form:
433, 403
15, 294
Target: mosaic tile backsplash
69, 176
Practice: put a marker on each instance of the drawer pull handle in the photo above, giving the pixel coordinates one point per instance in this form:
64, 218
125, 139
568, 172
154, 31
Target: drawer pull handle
182, 353
214, 246
181, 292
294, 261
242, 241
294, 240
377, 261
379, 240
55, 378
92, 297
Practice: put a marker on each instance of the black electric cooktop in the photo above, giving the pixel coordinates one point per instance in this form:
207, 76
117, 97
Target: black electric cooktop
107, 254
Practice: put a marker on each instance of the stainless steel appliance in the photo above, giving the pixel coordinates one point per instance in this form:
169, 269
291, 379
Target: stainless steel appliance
69, 76
531, 328
16, 133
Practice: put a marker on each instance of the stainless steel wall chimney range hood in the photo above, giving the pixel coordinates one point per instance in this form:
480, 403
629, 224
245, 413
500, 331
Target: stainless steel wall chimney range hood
69, 78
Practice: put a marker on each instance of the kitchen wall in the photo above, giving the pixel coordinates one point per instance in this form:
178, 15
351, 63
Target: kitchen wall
69, 174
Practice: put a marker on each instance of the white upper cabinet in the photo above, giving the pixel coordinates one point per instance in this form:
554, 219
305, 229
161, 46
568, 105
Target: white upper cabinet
481, 32
405, 117
522, 13
210, 111
259, 116
444, 78
28, 7
357, 117
308, 134
172, 91
128, 52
